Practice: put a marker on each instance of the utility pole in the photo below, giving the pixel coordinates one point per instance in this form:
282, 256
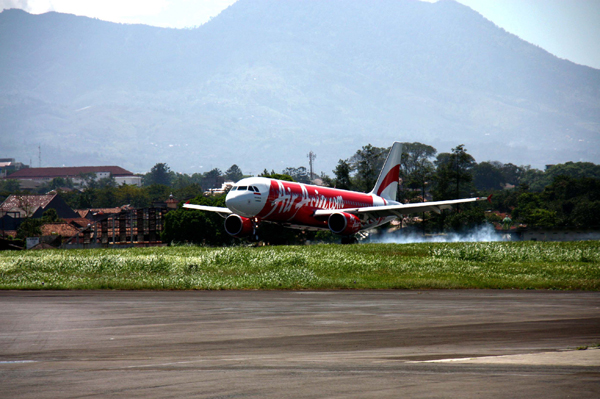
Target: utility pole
39, 156
311, 157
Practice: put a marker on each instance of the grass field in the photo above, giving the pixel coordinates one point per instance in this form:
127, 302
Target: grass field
501, 265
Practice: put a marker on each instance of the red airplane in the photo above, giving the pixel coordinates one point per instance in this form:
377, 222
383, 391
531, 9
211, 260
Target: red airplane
304, 206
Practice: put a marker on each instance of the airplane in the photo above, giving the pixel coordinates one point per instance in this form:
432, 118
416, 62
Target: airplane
303, 206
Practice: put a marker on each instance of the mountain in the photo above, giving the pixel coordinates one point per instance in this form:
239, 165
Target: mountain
266, 81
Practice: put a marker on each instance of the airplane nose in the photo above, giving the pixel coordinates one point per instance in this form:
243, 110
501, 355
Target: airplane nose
236, 202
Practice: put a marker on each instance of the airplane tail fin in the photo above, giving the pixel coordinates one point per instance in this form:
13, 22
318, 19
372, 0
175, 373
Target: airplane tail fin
387, 182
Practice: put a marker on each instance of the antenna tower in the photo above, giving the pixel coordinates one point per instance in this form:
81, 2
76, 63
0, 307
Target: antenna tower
311, 157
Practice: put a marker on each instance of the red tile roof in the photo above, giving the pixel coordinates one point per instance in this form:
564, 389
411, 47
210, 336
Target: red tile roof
105, 211
78, 222
71, 171
32, 202
63, 229
82, 212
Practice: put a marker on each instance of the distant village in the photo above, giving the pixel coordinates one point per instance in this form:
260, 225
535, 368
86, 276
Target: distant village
109, 206
80, 227
36, 197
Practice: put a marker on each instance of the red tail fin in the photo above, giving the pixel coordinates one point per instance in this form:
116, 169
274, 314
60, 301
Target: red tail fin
387, 183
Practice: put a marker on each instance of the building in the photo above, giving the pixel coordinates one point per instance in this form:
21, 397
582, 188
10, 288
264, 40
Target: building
9, 165
95, 214
77, 174
34, 206
218, 191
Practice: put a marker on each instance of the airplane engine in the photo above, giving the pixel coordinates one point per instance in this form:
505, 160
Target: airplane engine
238, 226
344, 223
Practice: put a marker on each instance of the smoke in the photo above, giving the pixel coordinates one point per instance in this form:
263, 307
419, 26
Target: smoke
483, 233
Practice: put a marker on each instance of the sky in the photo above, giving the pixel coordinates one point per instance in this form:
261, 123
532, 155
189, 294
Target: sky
569, 29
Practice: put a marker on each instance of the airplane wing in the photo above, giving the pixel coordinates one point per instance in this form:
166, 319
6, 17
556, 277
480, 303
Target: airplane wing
223, 212
400, 209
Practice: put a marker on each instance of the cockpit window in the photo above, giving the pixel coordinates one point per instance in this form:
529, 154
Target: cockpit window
233, 189
250, 188
255, 189
242, 188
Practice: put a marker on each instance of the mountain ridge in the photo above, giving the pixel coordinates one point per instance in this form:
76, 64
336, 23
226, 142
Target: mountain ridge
266, 75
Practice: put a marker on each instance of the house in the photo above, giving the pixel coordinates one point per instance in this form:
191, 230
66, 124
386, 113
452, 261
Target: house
95, 214
34, 206
9, 223
62, 229
218, 191
171, 203
9, 165
76, 174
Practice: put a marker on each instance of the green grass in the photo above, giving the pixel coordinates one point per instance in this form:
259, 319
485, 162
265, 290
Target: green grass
498, 265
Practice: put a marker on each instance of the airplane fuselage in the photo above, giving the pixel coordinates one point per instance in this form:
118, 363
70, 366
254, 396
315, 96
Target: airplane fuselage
295, 203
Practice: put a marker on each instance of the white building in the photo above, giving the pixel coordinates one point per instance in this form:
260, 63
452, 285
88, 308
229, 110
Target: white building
77, 174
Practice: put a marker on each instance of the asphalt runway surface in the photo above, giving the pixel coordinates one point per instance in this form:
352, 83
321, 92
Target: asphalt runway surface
299, 344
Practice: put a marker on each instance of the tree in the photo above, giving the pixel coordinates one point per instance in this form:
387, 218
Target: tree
105, 197
470, 217
367, 163
186, 225
414, 156
526, 204
416, 169
135, 196
159, 174
534, 179
29, 228
586, 214
453, 174
191, 191
299, 174
342, 175
59, 182
487, 176
278, 176
10, 186
541, 218
106, 182
158, 192
420, 177
88, 179
213, 179
181, 180
50, 216
327, 181
234, 173
511, 174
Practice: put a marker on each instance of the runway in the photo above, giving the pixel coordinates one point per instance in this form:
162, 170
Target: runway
299, 344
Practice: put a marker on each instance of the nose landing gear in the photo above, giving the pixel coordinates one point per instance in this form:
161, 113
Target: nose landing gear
255, 223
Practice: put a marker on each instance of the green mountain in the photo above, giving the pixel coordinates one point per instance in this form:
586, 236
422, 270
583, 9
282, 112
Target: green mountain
266, 81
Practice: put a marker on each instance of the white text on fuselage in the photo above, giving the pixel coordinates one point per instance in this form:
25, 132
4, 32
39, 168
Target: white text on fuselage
288, 201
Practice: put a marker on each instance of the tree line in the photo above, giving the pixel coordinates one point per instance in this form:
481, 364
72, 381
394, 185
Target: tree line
563, 195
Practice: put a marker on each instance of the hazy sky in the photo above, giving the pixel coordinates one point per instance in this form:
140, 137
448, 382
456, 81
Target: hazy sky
567, 28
